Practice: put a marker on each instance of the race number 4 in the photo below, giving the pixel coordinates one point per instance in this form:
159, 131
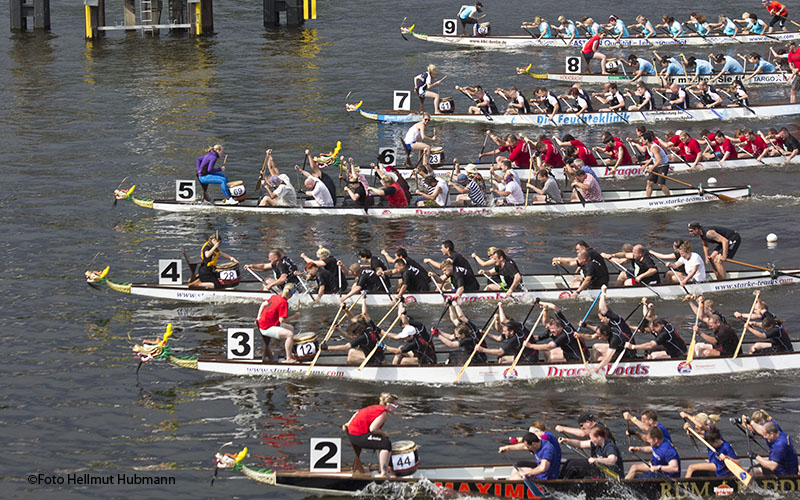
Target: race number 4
170, 272
326, 455
387, 156
401, 100
241, 344
185, 190
449, 26
573, 64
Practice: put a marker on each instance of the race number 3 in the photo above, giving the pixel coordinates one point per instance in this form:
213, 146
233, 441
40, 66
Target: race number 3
326, 455
401, 100
449, 26
241, 344
185, 190
170, 272
387, 156
573, 64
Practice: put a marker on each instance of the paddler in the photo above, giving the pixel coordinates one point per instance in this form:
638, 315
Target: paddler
414, 140
603, 451
545, 467
364, 430
419, 348
318, 173
644, 267
716, 465
782, 456
665, 460
613, 331
648, 421
282, 267
464, 337
667, 343
615, 150
726, 242
364, 336
586, 422
564, 337
272, 319
483, 102
206, 270
208, 173
642, 65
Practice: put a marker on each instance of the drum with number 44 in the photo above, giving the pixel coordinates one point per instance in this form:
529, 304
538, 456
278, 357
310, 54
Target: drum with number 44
405, 457
228, 274
305, 346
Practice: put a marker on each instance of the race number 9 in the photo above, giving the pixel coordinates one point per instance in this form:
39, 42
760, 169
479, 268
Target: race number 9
170, 272
241, 344
573, 64
387, 156
326, 455
184, 190
449, 26
401, 100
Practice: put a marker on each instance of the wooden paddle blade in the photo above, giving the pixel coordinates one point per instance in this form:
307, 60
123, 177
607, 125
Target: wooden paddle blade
690, 353
725, 197
738, 471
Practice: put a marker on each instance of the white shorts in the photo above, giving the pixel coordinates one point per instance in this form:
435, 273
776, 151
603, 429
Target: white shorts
274, 332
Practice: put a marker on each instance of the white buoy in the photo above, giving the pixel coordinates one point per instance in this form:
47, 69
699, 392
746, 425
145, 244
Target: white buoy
772, 238
712, 181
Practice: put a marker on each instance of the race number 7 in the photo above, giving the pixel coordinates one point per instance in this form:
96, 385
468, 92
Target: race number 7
241, 344
170, 272
401, 100
449, 26
326, 455
184, 190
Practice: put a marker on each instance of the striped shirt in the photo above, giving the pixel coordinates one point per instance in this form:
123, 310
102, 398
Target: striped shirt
476, 194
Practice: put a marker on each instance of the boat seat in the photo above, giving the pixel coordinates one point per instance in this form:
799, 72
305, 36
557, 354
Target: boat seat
357, 466
192, 266
205, 189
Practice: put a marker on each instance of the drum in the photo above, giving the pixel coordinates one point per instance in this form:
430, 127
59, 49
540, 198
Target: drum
436, 157
228, 274
446, 105
484, 29
237, 189
612, 67
305, 346
405, 457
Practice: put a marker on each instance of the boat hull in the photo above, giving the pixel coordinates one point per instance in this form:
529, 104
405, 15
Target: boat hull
760, 79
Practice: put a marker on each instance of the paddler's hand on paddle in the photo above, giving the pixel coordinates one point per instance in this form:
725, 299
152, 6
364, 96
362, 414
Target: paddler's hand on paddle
626, 415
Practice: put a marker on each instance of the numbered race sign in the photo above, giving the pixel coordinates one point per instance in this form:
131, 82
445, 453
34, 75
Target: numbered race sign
170, 272
449, 26
241, 343
573, 64
387, 156
401, 100
326, 455
185, 190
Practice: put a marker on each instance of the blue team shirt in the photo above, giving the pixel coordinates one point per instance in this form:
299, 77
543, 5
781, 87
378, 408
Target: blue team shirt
732, 65
557, 456
663, 454
648, 29
674, 67
782, 452
467, 11
621, 28
571, 29
713, 457
676, 29
548, 452
766, 67
544, 29
664, 431
595, 29
730, 28
757, 27
646, 66
702, 30
703, 67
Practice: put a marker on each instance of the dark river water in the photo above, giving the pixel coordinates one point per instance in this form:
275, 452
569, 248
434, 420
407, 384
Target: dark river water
80, 117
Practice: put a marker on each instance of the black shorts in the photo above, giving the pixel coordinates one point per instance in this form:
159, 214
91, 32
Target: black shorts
587, 56
465, 22
663, 170
370, 441
733, 245
777, 20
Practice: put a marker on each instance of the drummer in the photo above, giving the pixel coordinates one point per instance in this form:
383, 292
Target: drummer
206, 270
272, 319
208, 173
415, 141
364, 429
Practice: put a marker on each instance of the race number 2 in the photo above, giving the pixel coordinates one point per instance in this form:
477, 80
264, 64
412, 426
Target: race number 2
573, 64
401, 100
241, 344
326, 455
170, 272
449, 26
387, 156
185, 190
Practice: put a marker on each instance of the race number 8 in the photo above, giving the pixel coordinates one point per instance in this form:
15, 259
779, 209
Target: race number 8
185, 190
573, 64
169, 272
241, 344
401, 100
326, 455
449, 26
387, 156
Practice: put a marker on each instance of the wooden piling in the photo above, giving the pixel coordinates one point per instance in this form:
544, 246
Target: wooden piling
20, 11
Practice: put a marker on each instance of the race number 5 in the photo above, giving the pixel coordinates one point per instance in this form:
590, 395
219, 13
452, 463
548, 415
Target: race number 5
449, 26
401, 100
241, 344
170, 272
573, 64
184, 190
326, 455
387, 156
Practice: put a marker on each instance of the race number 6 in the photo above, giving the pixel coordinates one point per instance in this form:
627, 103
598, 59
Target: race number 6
449, 26
401, 100
387, 156
184, 190
573, 64
170, 272
326, 455
241, 344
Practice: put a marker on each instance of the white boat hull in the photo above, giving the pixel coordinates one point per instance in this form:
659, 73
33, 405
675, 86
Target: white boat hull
760, 79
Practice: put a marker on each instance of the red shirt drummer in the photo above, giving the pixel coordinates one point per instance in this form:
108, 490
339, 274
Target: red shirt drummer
364, 431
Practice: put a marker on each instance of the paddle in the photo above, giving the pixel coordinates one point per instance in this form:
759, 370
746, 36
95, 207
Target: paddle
722, 197
747, 433
480, 156
530, 172
118, 188
486, 328
701, 101
261, 173
747, 322
773, 273
664, 476
482, 108
604, 469
748, 153
527, 339
543, 112
787, 19
621, 268
577, 332
375, 349
402, 25
673, 273
580, 195
334, 324
573, 108
690, 351
631, 313
613, 368
561, 275
760, 34
738, 472
667, 100
532, 488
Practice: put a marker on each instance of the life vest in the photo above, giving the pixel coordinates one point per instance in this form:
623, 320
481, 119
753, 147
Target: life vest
210, 263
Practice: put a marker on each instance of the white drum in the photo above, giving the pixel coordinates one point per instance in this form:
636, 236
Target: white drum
405, 457
446, 105
436, 157
305, 346
237, 189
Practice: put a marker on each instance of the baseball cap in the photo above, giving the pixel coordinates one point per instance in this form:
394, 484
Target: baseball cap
462, 178
274, 180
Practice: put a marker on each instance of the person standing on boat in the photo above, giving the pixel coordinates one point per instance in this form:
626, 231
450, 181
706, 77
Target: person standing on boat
726, 242
778, 12
660, 164
665, 458
467, 14
648, 421
545, 467
423, 83
208, 173
415, 141
716, 464
207, 269
792, 56
273, 318
782, 456
364, 430
589, 51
